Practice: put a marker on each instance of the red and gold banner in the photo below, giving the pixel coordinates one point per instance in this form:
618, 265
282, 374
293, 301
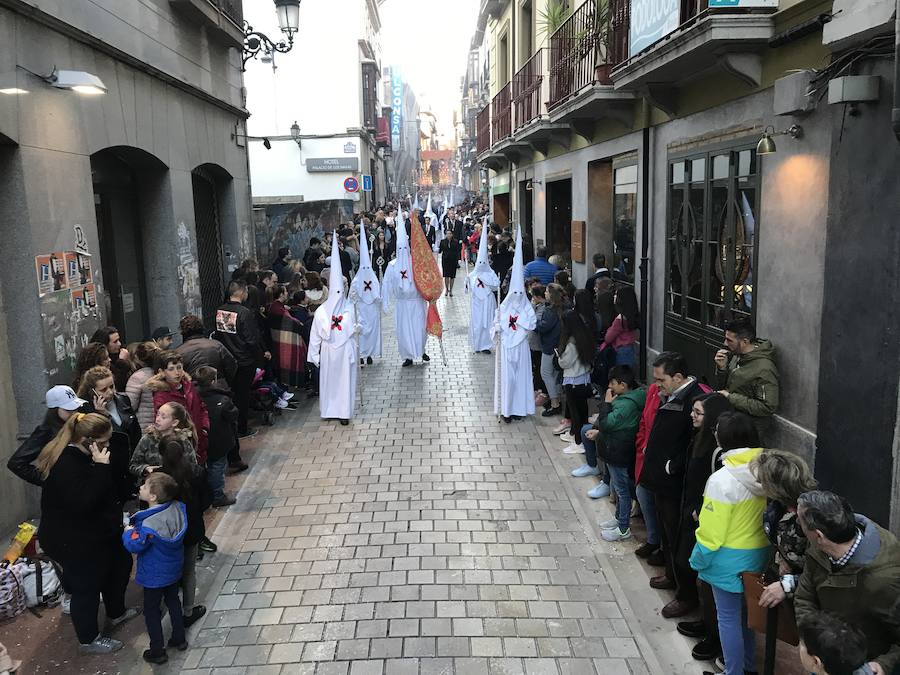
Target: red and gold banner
426, 274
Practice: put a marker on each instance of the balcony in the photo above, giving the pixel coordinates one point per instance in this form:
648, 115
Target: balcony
583, 52
501, 114
527, 84
729, 39
224, 19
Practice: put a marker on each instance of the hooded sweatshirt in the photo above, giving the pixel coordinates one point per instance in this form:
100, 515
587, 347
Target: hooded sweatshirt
751, 380
156, 536
730, 538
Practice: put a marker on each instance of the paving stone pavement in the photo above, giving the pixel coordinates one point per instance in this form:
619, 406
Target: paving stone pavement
425, 538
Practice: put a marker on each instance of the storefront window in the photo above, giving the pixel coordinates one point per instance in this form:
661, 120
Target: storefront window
624, 222
711, 238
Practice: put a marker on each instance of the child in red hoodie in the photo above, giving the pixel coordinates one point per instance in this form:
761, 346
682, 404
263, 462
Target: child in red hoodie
172, 385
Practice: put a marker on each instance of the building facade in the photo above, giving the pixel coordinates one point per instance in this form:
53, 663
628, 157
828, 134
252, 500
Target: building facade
126, 207
635, 133
330, 85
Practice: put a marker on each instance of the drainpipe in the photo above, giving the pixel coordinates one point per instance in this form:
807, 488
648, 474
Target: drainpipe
512, 72
645, 244
895, 115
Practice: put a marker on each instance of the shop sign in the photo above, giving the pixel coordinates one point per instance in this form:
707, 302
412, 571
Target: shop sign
342, 164
651, 20
396, 106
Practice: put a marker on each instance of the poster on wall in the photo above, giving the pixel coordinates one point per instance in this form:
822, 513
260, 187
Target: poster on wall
51, 273
84, 268
84, 300
73, 272
651, 20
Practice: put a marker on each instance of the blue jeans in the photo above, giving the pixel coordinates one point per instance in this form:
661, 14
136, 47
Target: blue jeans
623, 485
590, 447
738, 641
648, 508
625, 356
215, 476
153, 598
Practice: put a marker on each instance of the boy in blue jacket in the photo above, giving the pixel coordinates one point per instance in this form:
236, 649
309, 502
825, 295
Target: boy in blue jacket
155, 535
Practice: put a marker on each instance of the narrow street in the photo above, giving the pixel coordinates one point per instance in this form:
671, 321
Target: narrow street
424, 538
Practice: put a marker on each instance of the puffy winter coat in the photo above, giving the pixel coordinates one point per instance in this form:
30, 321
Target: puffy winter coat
148, 453
189, 397
730, 538
751, 380
618, 423
156, 536
223, 416
141, 397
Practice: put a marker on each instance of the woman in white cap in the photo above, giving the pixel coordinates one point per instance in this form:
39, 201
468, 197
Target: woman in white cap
61, 404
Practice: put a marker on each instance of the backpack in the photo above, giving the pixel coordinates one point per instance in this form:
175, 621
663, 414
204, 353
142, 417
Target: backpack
12, 592
603, 361
40, 581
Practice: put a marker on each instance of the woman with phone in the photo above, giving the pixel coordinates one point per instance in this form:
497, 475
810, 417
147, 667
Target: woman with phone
99, 390
81, 526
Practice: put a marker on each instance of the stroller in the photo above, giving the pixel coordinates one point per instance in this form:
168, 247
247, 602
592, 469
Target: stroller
265, 395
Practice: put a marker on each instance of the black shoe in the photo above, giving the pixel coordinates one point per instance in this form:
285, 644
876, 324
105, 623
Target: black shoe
692, 629
224, 501
550, 412
206, 545
369, 361
362, 362
195, 615
657, 559
425, 357
250, 433
407, 363
237, 467
180, 646
158, 658
706, 650
645, 550
485, 351
508, 420
345, 422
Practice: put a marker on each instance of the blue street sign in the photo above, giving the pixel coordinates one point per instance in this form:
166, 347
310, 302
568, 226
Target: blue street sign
367, 183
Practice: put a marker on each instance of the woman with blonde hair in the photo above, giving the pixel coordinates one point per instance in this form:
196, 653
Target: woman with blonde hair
98, 388
140, 395
81, 526
784, 476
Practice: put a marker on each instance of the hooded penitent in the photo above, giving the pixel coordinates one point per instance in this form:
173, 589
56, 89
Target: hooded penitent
516, 310
403, 255
483, 281
365, 284
334, 318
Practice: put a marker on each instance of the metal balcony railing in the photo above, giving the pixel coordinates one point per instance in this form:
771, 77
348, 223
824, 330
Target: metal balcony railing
587, 46
483, 130
526, 90
233, 9
501, 114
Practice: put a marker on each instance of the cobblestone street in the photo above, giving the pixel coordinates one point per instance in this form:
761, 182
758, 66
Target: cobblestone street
424, 538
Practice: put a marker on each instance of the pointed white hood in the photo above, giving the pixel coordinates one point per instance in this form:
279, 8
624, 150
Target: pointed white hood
403, 256
336, 295
483, 272
516, 312
365, 284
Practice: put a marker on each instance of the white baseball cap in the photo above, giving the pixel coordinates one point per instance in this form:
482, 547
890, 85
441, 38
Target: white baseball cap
63, 397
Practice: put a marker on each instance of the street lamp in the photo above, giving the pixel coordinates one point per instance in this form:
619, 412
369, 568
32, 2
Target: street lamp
288, 21
295, 132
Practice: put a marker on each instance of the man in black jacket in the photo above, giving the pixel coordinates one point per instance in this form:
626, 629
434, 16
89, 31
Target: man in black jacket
197, 350
62, 403
237, 328
665, 459
280, 265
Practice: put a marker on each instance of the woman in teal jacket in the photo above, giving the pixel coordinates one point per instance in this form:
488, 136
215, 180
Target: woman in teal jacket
731, 539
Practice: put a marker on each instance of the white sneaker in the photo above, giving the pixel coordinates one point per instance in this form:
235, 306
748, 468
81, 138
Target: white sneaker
616, 534
101, 645
281, 404
573, 450
287, 396
562, 428
66, 603
567, 437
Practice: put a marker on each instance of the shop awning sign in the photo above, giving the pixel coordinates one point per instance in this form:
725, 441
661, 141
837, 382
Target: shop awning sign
652, 20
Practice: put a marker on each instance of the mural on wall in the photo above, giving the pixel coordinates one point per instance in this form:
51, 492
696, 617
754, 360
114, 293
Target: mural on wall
188, 273
293, 225
69, 311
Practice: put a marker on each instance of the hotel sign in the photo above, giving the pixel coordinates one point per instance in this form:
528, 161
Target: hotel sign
742, 4
322, 164
396, 106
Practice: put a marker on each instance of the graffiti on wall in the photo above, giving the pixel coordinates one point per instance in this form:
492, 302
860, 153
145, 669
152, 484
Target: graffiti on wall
293, 225
188, 272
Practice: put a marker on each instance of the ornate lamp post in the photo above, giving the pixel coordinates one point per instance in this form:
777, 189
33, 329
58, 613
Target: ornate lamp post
288, 21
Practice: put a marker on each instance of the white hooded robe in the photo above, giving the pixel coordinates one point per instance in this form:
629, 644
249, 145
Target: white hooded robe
399, 287
365, 292
514, 393
482, 282
332, 347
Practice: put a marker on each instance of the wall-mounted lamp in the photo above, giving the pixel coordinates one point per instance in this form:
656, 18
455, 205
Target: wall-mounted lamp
295, 133
255, 42
531, 182
267, 144
76, 80
766, 145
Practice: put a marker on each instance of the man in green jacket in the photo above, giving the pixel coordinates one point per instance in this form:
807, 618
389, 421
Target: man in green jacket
852, 570
746, 370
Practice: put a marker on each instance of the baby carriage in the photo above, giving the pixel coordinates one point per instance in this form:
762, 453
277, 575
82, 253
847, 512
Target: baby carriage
264, 395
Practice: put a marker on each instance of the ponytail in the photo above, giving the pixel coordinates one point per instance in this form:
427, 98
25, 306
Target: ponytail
78, 427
